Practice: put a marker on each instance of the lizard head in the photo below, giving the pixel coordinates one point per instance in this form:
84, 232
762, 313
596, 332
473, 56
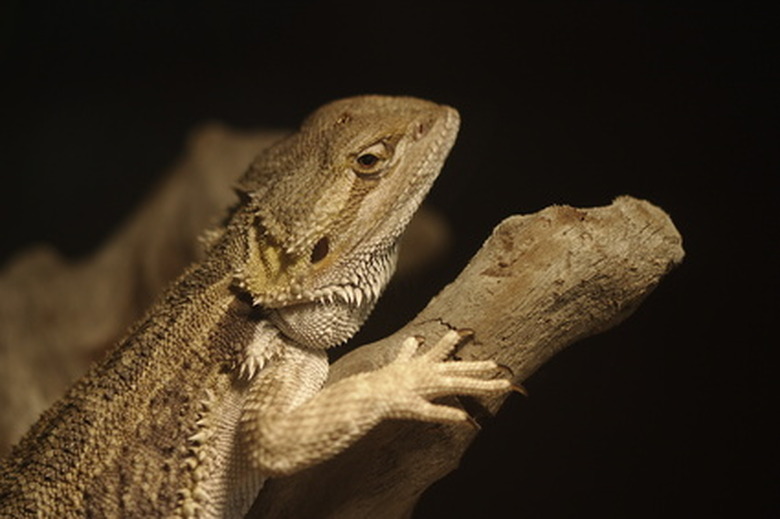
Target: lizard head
325, 209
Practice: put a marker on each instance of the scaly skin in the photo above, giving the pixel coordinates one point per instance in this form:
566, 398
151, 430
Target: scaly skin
219, 386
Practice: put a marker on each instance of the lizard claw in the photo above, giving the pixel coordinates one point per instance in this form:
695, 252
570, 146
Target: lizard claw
519, 388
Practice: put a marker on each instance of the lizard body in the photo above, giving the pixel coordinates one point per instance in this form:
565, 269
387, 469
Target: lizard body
220, 385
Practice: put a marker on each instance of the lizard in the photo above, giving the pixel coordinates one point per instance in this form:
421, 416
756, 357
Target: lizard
221, 385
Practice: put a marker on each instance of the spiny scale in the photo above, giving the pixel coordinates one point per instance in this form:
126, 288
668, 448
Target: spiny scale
209, 395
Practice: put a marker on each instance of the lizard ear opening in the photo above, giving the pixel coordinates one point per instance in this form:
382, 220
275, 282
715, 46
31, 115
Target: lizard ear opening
320, 250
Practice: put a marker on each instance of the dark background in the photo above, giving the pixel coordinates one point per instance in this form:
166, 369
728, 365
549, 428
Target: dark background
562, 102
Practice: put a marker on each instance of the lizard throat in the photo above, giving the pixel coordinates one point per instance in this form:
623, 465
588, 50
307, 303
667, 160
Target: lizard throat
336, 312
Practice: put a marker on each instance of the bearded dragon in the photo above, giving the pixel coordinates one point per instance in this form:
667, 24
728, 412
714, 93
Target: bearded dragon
220, 385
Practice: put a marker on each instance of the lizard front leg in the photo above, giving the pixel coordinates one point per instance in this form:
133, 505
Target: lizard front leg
283, 434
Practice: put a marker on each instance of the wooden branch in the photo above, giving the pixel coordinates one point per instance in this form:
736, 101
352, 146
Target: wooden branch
539, 283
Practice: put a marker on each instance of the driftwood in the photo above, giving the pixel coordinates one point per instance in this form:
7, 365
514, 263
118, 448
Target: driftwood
538, 284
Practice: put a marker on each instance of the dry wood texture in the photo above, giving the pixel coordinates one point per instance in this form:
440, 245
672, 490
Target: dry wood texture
539, 283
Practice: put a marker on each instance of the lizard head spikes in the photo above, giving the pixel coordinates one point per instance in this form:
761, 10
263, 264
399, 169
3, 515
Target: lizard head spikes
325, 207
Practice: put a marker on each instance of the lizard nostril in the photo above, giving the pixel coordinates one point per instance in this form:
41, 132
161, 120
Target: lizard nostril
421, 129
344, 118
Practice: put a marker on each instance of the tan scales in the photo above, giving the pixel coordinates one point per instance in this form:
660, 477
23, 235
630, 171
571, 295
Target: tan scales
220, 386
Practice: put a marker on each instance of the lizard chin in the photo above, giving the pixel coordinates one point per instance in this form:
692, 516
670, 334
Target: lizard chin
322, 324
332, 314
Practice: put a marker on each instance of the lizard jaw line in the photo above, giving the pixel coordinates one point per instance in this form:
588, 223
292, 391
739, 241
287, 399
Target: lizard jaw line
358, 291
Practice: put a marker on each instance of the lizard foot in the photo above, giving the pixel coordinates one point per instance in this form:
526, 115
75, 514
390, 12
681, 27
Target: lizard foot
406, 385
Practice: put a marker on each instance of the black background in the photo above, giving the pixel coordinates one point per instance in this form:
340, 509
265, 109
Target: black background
562, 102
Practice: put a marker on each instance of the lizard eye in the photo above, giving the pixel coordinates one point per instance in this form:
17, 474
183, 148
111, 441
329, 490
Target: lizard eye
372, 160
367, 160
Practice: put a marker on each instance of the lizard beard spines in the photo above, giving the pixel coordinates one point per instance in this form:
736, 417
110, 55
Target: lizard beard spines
337, 311
264, 347
270, 275
198, 462
275, 279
